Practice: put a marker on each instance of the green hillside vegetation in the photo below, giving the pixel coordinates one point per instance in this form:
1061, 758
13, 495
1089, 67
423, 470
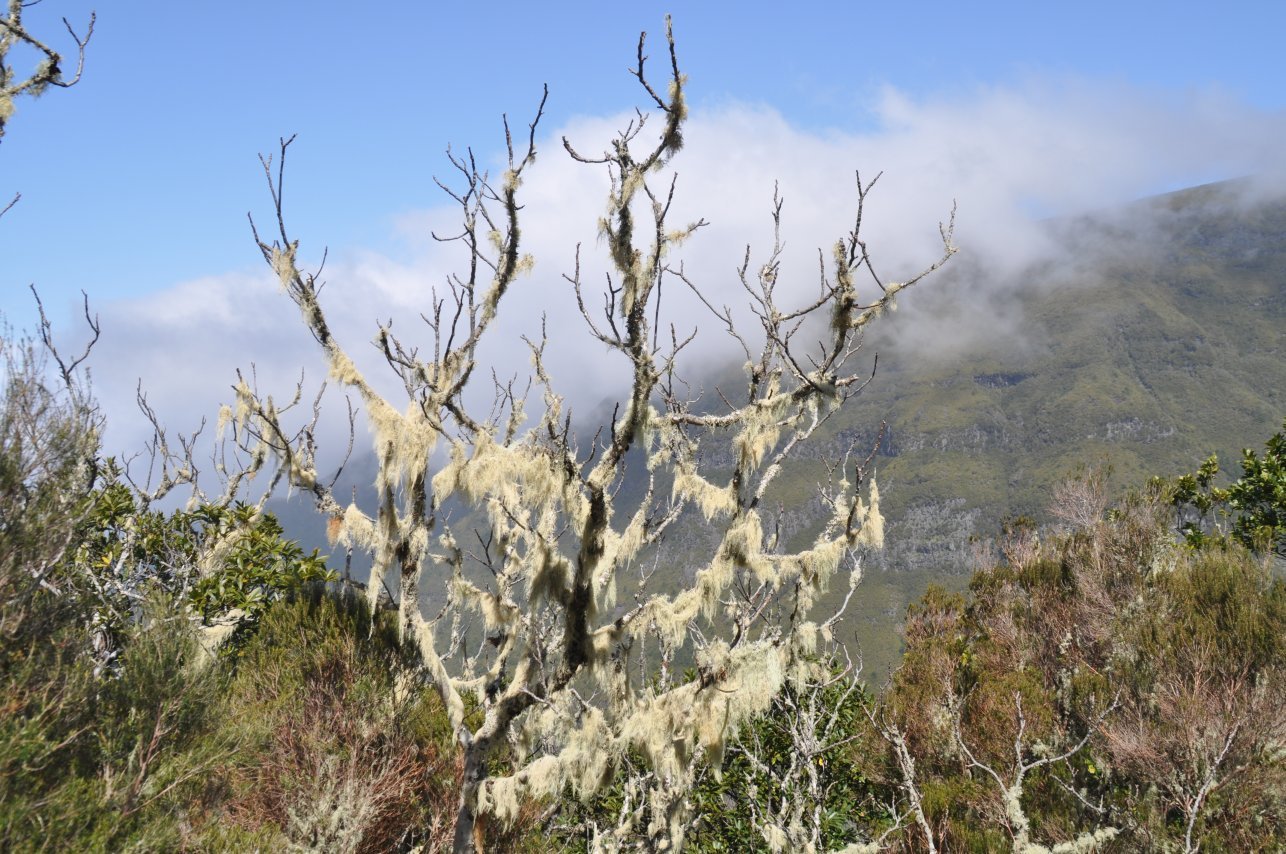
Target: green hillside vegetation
1161, 345
1110, 366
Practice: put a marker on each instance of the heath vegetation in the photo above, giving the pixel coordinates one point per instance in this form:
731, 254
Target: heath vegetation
514, 675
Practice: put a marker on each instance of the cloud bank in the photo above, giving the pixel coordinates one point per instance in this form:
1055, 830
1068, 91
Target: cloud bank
1009, 157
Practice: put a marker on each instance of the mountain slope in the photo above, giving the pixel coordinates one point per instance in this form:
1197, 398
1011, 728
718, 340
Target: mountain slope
1166, 343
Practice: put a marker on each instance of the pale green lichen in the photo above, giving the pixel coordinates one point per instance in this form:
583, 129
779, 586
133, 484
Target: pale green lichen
713, 501
775, 837
583, 765
763, 426
746, 681
1087, 842
245, 400
496, 613
678, 106
225, 418
403, 442
214, 634
873, 521
333, 809
283, 264
300, 475
422, 636
343, 370
669, 728
618, 551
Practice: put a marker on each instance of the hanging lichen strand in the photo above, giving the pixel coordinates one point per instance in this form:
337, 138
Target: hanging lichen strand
547, 642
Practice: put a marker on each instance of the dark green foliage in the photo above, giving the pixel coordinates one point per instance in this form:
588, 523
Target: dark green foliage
1250, 511
255, 566
262, 566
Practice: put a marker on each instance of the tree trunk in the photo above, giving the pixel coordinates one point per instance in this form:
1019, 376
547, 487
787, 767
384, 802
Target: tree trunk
468, 824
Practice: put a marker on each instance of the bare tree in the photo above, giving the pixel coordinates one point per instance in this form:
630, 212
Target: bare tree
539, 648
48, 442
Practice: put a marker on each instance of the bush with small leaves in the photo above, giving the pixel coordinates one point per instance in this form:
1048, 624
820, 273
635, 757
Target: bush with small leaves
223, 562
343, 749
1250, 511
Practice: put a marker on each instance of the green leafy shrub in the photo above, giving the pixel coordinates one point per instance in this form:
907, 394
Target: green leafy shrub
219, 560
1251, 511
107, 761
343, 749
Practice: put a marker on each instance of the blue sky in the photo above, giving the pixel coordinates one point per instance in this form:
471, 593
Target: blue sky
137, 182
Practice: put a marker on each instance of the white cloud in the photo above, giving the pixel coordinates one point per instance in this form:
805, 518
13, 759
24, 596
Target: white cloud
1008, 156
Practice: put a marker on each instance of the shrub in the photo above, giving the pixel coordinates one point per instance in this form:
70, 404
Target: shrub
344, 748
1103, 686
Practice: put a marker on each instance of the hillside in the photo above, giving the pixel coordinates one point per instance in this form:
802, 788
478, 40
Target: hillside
1166, 344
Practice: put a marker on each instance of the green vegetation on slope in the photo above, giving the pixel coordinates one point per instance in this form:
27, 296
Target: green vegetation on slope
1161, 343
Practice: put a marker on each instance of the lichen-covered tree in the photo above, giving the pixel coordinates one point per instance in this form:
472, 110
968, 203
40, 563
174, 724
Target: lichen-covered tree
552, 659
